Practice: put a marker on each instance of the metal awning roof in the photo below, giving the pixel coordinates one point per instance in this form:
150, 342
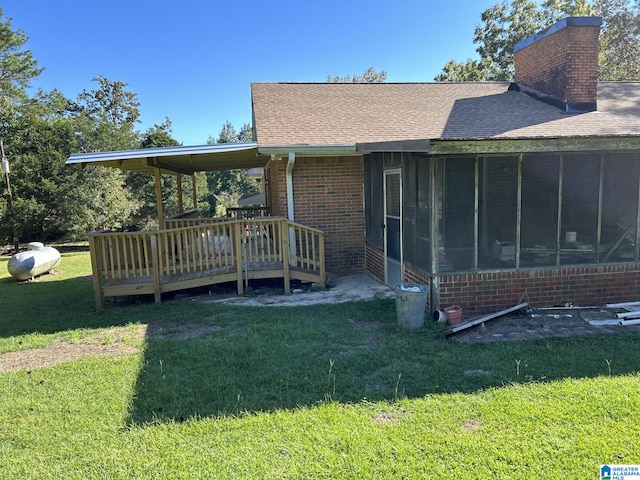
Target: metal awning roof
182, 159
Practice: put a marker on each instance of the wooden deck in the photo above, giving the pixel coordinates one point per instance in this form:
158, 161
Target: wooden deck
194, 252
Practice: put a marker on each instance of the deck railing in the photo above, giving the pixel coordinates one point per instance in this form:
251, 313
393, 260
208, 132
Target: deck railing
245, 213
204, 254
170, 223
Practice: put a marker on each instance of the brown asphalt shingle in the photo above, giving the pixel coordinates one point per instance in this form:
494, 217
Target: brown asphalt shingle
348, 113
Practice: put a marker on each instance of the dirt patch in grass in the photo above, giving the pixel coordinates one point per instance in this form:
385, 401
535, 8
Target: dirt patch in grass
472, 424
113, 342
56, 353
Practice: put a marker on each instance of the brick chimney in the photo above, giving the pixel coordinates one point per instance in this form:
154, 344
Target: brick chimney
560, 64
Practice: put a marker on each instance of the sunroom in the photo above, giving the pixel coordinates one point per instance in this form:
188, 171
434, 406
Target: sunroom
493, 228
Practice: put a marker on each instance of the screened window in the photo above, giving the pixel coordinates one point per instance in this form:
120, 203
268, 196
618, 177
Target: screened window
374, 204
619, 214
498, 201
539, 217
416, 210
456, 192
579, 209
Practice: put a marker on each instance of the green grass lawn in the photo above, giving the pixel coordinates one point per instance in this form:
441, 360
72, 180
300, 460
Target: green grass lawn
326, 391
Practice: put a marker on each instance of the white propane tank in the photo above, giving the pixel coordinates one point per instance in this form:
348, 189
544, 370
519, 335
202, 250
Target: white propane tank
35, 261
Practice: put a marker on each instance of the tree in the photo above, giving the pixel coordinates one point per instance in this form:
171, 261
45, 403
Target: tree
504, 25
226, 187
370, 75
17, 69
17, 65
144, 185
106, 117
619, 40
469, 71
51, 199
228, 134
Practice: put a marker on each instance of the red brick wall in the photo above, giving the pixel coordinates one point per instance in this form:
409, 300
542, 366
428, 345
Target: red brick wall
563, 64
277, 188
415, 275
585, 286
488, 292
374, 260
328, 195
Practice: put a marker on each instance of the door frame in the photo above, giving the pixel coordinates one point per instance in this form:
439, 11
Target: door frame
386, 258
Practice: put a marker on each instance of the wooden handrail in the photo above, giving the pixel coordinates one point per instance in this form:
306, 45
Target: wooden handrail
171, 223
245, 213
207, 252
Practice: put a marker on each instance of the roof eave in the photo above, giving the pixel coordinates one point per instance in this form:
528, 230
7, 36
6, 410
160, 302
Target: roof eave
535, 144
181, 159
337, 150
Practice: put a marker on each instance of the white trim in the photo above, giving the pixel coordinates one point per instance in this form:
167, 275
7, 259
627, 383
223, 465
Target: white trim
159, 152
310, 150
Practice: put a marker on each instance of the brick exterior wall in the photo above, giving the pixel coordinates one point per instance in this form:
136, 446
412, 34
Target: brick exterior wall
479, 293
415, 275
584, 285
563, 64
277, 188
328, 195
374, 261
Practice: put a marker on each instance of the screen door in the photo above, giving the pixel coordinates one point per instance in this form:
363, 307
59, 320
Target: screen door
393, 227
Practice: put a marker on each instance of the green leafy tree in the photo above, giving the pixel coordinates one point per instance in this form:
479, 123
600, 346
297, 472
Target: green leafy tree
52, 200
503, 25
17, 65
226, 187
17, 69
370, 75
106, 117
144, 185
228, 134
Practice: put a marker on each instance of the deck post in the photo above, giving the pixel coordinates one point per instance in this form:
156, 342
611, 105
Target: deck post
95, 273
286, 255
323, 278
194, 192
179, 186
238, 254
153, 239
158, 184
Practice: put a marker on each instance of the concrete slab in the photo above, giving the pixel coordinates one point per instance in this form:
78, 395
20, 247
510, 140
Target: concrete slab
349, 288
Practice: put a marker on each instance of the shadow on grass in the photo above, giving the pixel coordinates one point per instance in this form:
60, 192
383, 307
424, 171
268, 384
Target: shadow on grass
266, 358
57, 302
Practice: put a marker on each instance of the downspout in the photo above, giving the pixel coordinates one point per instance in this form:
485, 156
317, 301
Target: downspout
289, 179
290, 209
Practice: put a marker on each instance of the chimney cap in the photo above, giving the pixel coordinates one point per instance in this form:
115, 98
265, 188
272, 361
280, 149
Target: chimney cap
559, 25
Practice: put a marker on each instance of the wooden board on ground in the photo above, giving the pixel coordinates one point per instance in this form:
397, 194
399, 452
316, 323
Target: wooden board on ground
485, 318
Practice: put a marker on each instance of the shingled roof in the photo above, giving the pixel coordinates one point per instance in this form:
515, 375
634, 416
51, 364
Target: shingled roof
351, 113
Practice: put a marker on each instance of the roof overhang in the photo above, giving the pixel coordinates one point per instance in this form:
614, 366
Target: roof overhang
310, 150
535, 145
395, 146
184, 160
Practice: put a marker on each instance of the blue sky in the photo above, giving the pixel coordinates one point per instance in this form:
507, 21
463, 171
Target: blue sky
194, 61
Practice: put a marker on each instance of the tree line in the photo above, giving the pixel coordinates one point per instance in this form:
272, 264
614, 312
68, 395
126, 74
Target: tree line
51, 201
